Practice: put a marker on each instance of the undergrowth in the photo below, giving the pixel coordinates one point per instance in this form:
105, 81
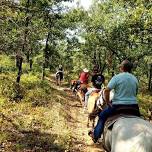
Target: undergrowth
31, 115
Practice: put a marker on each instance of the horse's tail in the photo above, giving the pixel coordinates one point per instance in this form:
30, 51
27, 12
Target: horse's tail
141, 144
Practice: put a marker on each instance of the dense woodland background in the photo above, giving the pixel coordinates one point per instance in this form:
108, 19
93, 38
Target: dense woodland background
38, 35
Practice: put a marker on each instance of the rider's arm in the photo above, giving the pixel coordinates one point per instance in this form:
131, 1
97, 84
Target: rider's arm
107, 96
111, 85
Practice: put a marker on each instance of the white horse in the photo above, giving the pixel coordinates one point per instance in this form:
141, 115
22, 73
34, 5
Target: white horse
128, 134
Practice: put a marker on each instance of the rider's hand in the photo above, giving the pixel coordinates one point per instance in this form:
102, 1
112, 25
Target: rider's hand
109, 104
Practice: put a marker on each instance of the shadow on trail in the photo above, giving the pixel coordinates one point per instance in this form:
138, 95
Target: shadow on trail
20, 139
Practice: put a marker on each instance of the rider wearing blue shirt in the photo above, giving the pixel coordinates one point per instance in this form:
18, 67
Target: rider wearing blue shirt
125, 87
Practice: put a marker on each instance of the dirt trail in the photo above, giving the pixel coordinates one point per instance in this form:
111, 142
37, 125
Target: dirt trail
81, 142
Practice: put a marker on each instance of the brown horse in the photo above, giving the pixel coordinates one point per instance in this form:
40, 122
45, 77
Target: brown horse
81, 92
79, 89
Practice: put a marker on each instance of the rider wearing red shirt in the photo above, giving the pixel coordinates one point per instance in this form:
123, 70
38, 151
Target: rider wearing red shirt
83, 79
84, 76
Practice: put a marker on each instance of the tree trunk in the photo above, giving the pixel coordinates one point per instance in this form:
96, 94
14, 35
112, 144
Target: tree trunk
43, 70
28, 56
103, 67
45, 55
26, 30
150, 78
19, 61
31, 64
19, 58
95, 57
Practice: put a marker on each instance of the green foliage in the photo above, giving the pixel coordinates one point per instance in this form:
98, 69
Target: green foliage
37, 62
145, 102
6, 64
37, 97
29, 81
42, 30
10, 89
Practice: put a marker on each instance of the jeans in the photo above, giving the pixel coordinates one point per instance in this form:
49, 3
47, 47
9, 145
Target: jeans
87, 95
98, 130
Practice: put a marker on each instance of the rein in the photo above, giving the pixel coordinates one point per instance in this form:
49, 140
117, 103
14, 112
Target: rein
103, 95
100, 105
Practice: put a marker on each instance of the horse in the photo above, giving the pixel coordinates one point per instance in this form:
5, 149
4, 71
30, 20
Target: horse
127, 133
95, 105
74, 86
79, 89
92, 109
59, 77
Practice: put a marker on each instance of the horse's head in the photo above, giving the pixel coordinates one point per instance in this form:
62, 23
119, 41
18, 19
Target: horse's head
57, 75
96, 101
93, 110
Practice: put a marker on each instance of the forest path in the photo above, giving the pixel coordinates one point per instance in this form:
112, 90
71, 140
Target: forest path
77, 123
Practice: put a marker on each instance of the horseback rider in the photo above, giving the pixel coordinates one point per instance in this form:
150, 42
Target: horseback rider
83, 79
84, 76
125, 86
59, 75
97, 82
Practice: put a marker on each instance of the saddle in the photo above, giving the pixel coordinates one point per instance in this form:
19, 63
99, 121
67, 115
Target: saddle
122, 111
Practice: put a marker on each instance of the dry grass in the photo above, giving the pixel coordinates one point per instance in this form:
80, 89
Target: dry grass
34, 123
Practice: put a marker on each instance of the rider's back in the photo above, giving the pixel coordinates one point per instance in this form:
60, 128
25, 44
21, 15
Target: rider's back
84, 77
125, 86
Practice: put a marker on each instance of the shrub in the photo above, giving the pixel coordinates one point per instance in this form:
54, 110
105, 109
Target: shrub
11, 89
30, 81
37, 97
6, 64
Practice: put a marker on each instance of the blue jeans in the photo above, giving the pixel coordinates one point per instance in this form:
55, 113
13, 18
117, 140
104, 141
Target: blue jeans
98, 130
